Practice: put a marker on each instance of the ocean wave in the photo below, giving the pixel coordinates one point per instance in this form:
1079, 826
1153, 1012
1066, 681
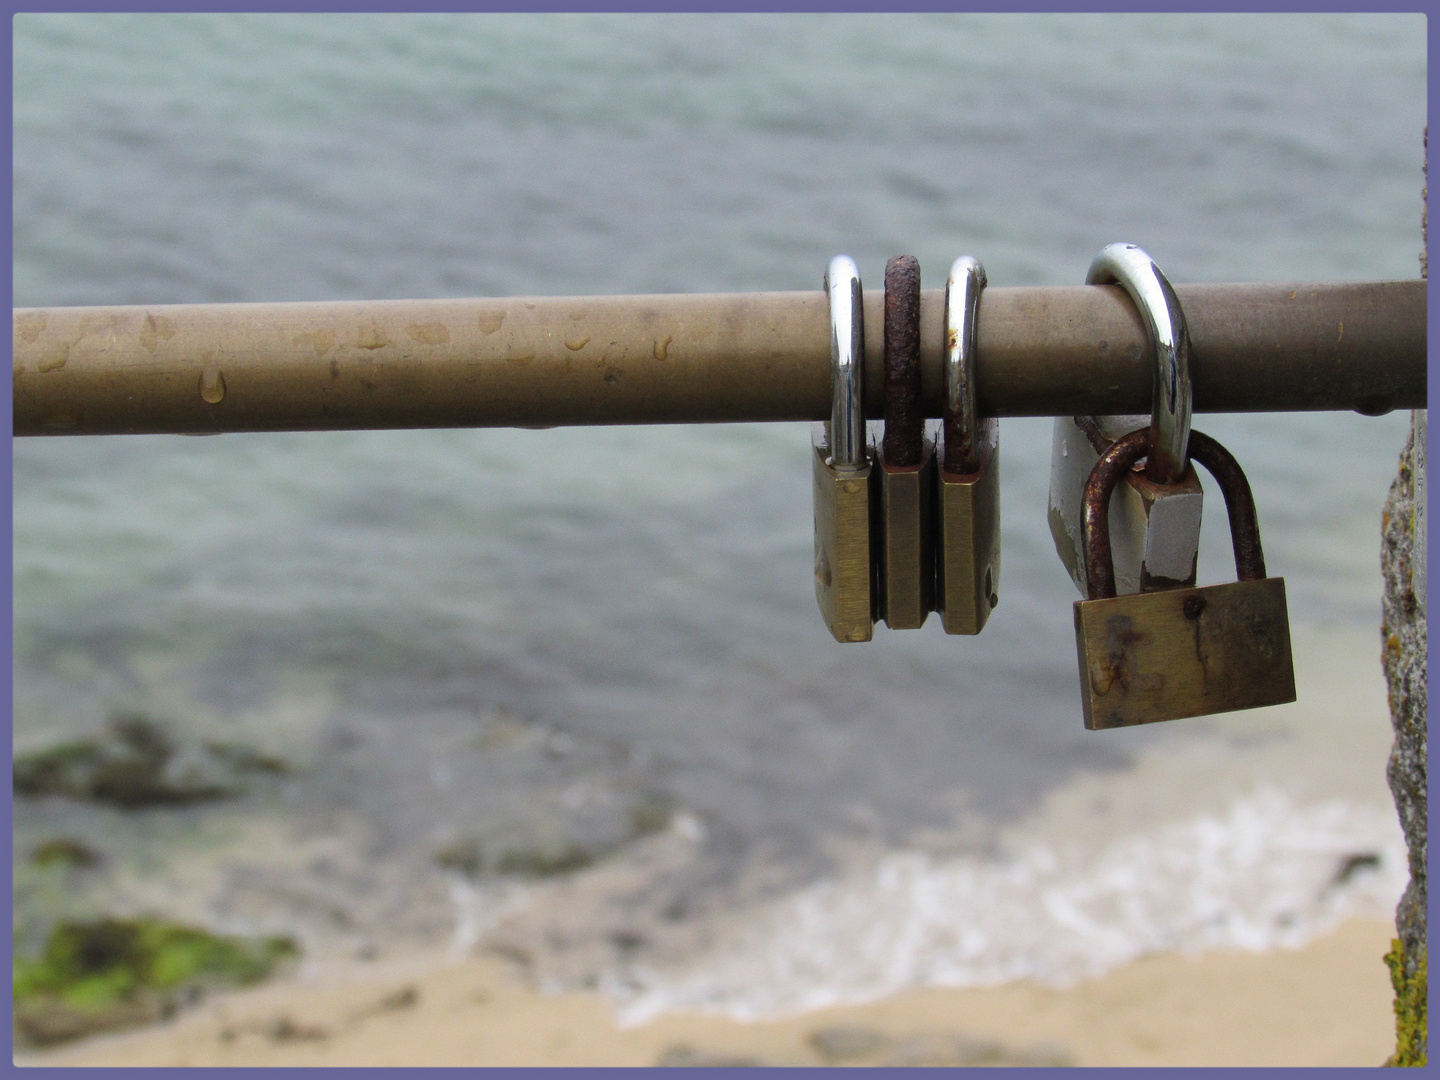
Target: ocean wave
1264, 873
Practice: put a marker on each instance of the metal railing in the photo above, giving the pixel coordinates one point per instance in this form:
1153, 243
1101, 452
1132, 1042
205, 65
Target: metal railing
551, 361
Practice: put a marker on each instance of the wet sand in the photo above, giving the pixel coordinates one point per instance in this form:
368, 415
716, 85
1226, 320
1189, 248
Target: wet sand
1325, 1004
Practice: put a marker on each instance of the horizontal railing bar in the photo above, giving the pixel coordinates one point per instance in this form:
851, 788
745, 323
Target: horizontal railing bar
551, 361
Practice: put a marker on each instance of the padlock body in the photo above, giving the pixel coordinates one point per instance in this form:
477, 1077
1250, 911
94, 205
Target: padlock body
1154, 528
906, 539
967, 543
1184, 652
844, 584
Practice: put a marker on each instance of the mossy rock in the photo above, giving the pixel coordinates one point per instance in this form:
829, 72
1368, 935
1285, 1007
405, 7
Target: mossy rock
1411, 997
652, 814
474, 856
544, 861
66, 852
136, 764
547, 846
114, 973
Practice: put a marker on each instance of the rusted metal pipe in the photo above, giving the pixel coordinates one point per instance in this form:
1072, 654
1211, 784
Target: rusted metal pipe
550, 361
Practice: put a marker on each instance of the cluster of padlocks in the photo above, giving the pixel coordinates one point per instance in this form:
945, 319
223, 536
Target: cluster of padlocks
907, 519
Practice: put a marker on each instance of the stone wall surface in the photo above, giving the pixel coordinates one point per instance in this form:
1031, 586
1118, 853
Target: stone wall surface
1403, 630
1403, 560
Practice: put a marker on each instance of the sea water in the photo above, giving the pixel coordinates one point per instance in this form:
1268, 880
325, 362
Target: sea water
597, 649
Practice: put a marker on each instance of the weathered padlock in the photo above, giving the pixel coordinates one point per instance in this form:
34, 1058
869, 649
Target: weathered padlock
844, 570
1187, 651
1155, 513
967, 479
905, 460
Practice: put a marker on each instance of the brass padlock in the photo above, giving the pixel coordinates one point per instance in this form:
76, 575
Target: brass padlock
967, 480
844, 568
1179, 652
1155, 514
905, 457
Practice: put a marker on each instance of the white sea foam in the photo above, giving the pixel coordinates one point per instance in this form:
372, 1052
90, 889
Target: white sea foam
479, 908
1263, 873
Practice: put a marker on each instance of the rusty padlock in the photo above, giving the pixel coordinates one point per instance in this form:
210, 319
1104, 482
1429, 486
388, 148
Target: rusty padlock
843, 475
1179, 652
967, 479
1155, 513
905, 457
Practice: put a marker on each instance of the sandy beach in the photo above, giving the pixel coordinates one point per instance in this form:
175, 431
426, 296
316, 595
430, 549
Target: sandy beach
1325, 1004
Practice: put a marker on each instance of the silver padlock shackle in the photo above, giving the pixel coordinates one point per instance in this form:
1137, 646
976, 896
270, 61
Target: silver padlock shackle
847, 363
962, 302
1134, 271
1116, 462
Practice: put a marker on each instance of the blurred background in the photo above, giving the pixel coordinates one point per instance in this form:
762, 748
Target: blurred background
567, 693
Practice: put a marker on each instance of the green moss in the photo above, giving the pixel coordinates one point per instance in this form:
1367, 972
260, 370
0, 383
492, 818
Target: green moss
135, 763
547, 846
463, 855
531, 856
48, 771
246, 759
1410, 1007
96, 976
64, 851
652, 814
543, 861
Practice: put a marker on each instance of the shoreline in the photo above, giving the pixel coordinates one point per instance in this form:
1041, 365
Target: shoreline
1325, 1003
